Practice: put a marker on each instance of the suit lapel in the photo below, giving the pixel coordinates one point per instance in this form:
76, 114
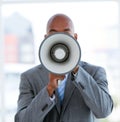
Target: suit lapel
68, 93
58, 106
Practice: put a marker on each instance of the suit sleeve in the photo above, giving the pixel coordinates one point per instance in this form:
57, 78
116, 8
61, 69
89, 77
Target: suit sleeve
94, 90
32, 108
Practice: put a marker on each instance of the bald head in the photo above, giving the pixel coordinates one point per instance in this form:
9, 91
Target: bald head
60, 23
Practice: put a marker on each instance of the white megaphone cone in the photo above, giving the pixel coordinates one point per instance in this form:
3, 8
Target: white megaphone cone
59, 53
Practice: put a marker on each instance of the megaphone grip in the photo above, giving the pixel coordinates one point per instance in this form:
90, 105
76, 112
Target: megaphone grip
59, 82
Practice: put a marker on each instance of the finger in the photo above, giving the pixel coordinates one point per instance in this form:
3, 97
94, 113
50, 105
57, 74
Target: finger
75, 70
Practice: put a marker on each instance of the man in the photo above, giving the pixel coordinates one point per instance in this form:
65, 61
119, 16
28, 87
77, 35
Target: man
86, 94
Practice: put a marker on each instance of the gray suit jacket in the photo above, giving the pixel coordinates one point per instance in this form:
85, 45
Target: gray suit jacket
86, 96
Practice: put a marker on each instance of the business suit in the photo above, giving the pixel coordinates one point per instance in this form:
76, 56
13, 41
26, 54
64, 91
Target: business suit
86, 96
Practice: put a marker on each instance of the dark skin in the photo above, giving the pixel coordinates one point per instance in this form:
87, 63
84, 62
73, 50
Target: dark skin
59, 23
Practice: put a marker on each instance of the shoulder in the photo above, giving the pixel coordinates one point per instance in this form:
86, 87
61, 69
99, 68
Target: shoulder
36, 75
38, 69
33, 69
89, 65
91, 68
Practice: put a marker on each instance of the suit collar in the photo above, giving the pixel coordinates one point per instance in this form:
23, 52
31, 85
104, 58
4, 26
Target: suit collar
68, 93
69, 88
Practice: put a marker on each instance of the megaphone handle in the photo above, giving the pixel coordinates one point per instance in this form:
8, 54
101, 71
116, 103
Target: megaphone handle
59, 82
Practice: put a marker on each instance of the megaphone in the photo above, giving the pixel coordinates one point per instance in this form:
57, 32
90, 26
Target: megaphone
59, 53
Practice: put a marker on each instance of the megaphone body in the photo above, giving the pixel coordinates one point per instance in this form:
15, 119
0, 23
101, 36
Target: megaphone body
59, 53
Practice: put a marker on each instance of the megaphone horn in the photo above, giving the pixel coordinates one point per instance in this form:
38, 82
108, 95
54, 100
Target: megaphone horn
59, 53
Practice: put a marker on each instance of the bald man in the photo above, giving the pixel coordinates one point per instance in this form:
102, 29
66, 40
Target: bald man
86, 94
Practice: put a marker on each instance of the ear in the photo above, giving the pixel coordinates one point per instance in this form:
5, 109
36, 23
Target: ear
75, 36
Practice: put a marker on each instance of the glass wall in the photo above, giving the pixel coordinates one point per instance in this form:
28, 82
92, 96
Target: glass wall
23, 29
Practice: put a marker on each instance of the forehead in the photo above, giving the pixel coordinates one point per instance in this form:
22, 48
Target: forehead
59, 22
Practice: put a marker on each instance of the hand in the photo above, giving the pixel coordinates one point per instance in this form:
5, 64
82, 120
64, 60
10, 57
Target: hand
75, 70
53, 82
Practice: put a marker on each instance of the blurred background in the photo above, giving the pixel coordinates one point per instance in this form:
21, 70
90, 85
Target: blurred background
22, 29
